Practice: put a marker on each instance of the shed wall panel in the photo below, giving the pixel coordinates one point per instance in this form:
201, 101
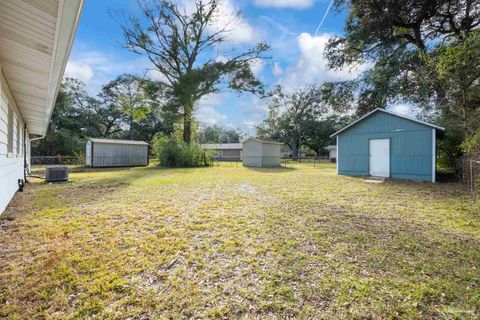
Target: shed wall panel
88, 153
252, 153
271, 154
258, 154
119, 155
410, 147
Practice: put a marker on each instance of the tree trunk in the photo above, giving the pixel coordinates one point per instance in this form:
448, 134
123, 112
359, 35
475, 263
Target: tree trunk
130, 134
187, 124
295, 145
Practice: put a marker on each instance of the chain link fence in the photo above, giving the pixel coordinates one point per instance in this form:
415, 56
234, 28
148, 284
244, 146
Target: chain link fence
269, 161
51, 160
471, 172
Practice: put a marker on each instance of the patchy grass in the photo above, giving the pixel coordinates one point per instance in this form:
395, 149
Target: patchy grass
235, 242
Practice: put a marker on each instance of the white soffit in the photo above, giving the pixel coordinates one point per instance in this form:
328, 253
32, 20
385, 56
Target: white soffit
35, 41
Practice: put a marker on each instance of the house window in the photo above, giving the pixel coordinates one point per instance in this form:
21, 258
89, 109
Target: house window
10, 130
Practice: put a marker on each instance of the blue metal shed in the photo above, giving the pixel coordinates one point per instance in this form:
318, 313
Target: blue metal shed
386, 144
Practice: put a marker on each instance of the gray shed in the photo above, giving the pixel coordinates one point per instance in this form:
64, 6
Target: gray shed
258, 152
116, 153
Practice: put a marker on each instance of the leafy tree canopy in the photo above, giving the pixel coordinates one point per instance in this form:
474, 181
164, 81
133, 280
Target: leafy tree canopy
218, 134
181, 45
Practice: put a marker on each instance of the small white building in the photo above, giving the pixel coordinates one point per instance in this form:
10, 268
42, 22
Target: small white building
332, 152
258, 152
35, 42
116, 153
225, 151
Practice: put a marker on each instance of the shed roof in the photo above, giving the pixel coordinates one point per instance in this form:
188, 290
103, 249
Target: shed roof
221, 146
118, 141
263, 140
391, 113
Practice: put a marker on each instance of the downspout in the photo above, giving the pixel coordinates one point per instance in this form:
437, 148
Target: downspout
25, 154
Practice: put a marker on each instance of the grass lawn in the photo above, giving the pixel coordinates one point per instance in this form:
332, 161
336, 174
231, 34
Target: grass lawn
234, 242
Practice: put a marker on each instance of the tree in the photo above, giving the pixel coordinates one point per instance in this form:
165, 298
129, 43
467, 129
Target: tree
459, 68
178, 44
69, 126
217, 134
404, 42
126, 95
275, 126
316, 132
297, 107
400, 39
104, 119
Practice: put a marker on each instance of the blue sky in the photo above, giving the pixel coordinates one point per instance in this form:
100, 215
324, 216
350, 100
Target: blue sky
288, 26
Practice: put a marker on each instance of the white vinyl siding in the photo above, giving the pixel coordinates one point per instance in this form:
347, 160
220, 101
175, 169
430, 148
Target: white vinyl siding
11, 145
17, 136
10, 131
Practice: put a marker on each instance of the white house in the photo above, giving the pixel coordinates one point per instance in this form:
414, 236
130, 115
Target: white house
35, 41
258, 152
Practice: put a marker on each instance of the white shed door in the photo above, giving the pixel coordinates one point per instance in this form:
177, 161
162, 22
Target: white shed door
380, 158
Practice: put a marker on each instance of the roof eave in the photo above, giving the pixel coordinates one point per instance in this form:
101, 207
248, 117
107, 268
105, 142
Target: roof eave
66, 27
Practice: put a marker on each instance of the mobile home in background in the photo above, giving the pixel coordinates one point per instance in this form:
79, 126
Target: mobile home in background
224, 151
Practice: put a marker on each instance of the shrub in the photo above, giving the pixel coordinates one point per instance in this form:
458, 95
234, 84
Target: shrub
175, 153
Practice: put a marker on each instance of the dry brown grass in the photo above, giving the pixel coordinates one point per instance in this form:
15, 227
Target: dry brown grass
234, 242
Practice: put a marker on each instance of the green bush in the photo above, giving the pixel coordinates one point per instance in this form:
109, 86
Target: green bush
175, 153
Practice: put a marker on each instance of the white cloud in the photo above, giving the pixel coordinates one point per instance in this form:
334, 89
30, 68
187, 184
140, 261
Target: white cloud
250, 124
257, 66
206, 110
79, 70
95, 68
209, 115
311, 65
240, 31
212, 100
277, 70
403, 108
296, 4
155, 75
284, 30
